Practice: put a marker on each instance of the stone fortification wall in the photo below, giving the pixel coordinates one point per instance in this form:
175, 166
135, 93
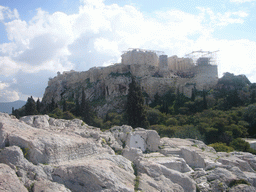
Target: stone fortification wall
153, 85
163, 62
138, 56
206, 76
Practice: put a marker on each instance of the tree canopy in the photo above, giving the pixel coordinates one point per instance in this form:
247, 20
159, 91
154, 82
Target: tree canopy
135, 109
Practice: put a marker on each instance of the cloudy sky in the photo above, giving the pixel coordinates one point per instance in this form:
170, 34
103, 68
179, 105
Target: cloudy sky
39, 38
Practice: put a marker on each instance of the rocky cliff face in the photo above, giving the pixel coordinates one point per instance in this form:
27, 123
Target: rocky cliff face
108, 86
39, 153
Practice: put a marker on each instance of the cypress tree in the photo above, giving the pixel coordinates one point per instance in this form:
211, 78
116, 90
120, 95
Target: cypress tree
52, 105
253, 95
177, 102
38, 105
193, 95
204, 100
135, 110
77, 108
64, 105
30, 107
86, 109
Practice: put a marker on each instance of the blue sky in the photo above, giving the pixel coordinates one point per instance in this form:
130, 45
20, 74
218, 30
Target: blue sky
40, 38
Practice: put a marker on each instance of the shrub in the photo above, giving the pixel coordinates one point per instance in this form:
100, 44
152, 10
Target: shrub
238, 182
188, 131
171, 121
154, 116
164, 131
25, 152
240, 145
68, 115
221, 147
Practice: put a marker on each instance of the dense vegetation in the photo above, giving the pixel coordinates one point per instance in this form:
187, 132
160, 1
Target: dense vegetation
220, 116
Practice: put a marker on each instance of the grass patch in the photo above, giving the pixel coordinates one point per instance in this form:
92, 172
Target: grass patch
137, 178
238, 182
137, 183
118, 152
25, 152
31, 187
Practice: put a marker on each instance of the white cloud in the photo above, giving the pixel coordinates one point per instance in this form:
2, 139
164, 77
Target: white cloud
6, 13
98, 34
3, 85
241, 1
9, 96
8, 66
222, 19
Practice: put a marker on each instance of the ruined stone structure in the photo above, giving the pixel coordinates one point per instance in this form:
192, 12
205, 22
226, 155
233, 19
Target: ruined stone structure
140, 56
179, 64
155, 73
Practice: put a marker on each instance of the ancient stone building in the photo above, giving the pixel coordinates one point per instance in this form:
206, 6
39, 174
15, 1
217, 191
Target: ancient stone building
179, 64
140, 56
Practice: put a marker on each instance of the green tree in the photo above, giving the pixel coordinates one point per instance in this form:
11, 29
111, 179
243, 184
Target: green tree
221, 147
204, 100
38, 105
77, 110
135, 109
86, 110
30, 107
193, 95
252, 96
52, 105
64, 105
240, 145
250, 117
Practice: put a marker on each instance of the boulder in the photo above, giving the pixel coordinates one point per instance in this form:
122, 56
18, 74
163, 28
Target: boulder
161, 184
146, 140
193, 158
234, 161
94, 175
9, 182
47, 146
242, 188
132, 153
174, 163
25, 170
38, 121
160, 172
48, 186
121, 133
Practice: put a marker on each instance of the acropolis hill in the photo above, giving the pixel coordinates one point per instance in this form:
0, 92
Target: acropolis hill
156, 73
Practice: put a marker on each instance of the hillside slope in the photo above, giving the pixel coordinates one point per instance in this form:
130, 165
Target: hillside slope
107, 87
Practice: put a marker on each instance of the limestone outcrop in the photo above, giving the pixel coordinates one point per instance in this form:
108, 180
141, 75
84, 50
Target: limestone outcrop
40, 153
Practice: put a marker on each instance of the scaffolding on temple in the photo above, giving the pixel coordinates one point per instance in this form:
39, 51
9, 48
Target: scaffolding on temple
144, 50
203, 57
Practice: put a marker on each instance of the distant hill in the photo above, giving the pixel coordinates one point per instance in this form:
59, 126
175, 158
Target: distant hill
7, 107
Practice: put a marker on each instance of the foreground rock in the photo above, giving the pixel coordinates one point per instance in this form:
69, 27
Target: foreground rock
40, 153
9, 182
